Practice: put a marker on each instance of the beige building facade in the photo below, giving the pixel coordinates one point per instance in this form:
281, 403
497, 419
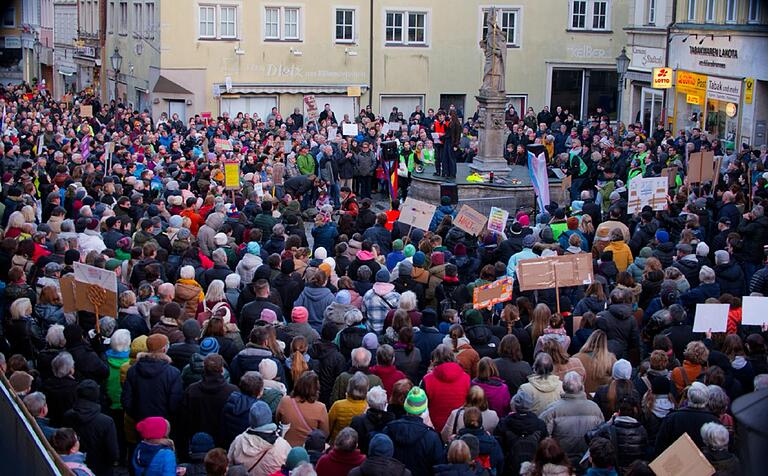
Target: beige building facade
249, 56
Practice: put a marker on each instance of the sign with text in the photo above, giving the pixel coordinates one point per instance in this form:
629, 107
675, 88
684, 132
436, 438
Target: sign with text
497, 219
354, 91
560, 271
416, 213
470, 220
661, 78
488, 295
311, 105
222, 144
691, 83
749, 90
671, 174
724, 89
650, 191
86, 276
232, 175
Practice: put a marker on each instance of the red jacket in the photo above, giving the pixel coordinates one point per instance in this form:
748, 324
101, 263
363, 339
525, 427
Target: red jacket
338, 463
389, 375
447, 386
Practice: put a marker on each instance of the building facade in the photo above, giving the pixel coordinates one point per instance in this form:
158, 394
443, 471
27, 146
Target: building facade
65, 78
717, 49
11, 55
235, 56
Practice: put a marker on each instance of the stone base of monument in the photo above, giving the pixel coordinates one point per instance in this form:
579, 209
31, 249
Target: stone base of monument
510, 192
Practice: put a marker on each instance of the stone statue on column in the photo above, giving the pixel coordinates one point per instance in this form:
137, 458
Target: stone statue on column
494, 46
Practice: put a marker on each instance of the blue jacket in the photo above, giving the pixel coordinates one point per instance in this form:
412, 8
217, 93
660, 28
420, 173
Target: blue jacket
440, 213
154, 460
315, 300
566, 235
235, 414
417, 446
152, 388
378, 235
325, 236
394, 258
699, 294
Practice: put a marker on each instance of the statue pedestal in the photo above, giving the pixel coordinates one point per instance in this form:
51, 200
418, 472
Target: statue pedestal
492, 134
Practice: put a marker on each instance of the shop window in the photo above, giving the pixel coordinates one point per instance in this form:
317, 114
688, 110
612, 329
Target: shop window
602, 92
566, 90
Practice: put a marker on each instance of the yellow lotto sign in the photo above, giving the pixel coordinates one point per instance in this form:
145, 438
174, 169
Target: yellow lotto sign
662, 78
749, 90
693, 99
691, 83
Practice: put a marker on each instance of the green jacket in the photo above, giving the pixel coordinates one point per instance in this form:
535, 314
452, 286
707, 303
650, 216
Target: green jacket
114, 390
306, 164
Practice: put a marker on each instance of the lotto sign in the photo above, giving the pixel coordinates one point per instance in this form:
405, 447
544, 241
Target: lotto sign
662, 78
749, 90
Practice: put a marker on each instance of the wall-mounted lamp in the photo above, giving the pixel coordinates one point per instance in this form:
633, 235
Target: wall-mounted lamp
296, 52
349, 52
239, 51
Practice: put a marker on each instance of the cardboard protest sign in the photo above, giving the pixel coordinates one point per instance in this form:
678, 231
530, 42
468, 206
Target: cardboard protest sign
497, 219
488, 295
222, 144
311, 106
682, 458
416, 213
650, 191
349, 129
86, 276
712, 317
470, 220
67, 285
701, 167
671, 174
565, 184
86, 110
754, 310
232, 175
560, 271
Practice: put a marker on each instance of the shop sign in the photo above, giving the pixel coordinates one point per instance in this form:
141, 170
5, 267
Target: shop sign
12, 42
662, 78
691, 83
645, 58
693, 99
749, 90
724, 89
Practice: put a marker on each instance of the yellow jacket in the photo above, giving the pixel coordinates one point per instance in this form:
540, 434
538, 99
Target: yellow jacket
342, 412
622, 255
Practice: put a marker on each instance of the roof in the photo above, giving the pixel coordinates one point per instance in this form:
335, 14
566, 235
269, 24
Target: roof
165, 85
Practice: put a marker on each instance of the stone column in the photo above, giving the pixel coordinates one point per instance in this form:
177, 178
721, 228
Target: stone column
492, 134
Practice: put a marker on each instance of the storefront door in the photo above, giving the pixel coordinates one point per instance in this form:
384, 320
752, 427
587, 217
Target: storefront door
651, 108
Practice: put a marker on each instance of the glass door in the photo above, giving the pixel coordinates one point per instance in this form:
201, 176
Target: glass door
652, 102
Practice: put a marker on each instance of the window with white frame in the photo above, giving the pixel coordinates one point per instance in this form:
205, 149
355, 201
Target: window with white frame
150, 14
207, 17
282, 23
692, 10
507, 19
651, 12
123, 23
228, 22
731, 10
345, 25
406, 28
593, 15
754, 11
138, 19
711, 10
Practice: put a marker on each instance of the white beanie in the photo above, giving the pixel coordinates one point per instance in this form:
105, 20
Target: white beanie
321, 253
268, 369
702, 249
220, 239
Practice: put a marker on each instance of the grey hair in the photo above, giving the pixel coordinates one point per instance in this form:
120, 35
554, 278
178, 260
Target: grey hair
707, 275
698, 395
120, 340
346, 440
573, 383
278, 229
543, 365
715, 436
761, 381
55, 336
718, 400
385, 355
304, 469
219, 256
361, 357
232, 281
63, 365
35, 402
188, 272
408, 301
357, 387
377, 398
620, 296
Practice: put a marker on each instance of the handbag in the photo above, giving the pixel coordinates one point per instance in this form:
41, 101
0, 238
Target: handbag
301, 415
380, 173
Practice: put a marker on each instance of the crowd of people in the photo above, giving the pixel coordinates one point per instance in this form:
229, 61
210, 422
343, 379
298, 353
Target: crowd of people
288, 328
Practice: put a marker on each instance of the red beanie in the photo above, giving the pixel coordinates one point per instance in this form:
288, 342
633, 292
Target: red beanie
153, 428
573, 223
299, 314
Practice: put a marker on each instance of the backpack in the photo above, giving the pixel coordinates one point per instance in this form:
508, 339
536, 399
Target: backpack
522, 449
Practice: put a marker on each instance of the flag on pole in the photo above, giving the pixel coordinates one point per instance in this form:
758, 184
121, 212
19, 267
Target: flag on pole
85, 147
2, 124
391, 174
537, 168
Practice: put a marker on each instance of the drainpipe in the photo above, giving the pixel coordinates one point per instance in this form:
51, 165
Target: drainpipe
370, 56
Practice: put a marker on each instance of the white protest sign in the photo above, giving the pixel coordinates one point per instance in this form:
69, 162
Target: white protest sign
497, 219
93, 275
259, 189
416, 213
754, 310
349, 129
394, 127
650, 191
712, 317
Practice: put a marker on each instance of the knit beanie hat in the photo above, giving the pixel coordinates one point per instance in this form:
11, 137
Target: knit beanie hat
343, 297
646, 252
428, 317
175, 221
88, 390
260, 413
381, 445
209, 345
702, 249
156, 343
572, 223
296, 456
524, 220
253, 248
321, 253
299, 314
326, 268
622, 370
397, 245
438, 258
201, 443
722, 257
662, 236
409, 250
416, 401
370, 341
153, 428
268, 369
220, 239
382, 275
405, 268
419, 258
473, 317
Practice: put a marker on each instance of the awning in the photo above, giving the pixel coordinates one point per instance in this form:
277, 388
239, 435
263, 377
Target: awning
286, 89
66, 70
165, 85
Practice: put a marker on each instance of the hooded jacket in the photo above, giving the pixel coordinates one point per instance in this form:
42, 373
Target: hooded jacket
247, 266
97, 432
235, 416
315, 299
152, 387
446, 386
154, 459
496, 393
332, 364
115, 360
543, 390
250, 358
621, 329
730, 277
206, 232
249, 447
380, 466
664, 252
690, 267
188, 294
417, 446
337, 462
489, 447
377, 302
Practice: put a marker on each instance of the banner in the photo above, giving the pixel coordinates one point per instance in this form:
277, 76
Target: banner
497, 219
470, 220
222, 144
416, 213
537, 168
311, 105
650, 191
232, 175
560, 271
487, 295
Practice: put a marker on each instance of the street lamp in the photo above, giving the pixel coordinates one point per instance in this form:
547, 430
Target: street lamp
117, 62
622, 64
38, 47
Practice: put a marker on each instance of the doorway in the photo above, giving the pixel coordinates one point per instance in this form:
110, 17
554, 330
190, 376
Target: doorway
651, 106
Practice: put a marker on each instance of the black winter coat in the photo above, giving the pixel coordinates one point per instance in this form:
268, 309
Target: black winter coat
135, 324
644, 233
621, 329
332, 364
201, 405
152, 388
181, 353
629, 437
60, 394
664, 253
417, 446
730, 277
512, 428
686, 420
97, 433
380, 466
690, 269
251, 313
369, 422
754, 234
88, 364
482, 340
